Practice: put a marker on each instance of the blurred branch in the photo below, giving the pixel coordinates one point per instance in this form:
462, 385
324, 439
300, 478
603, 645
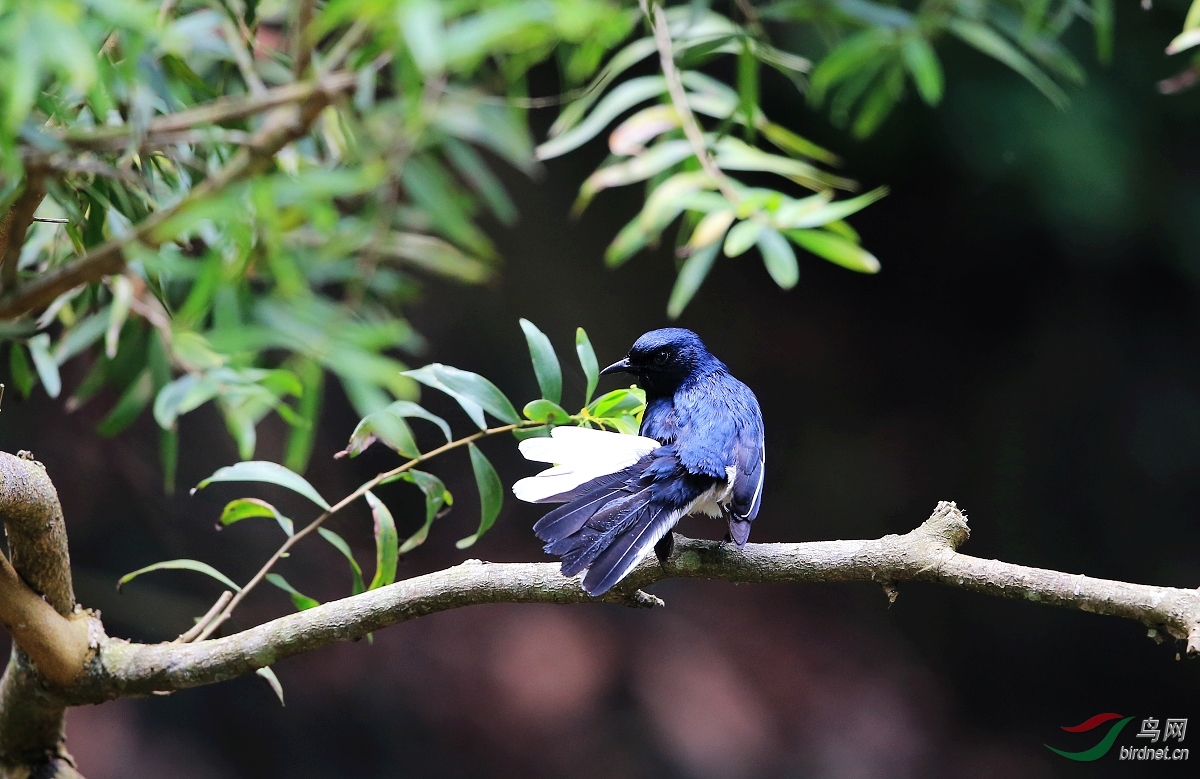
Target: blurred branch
302, 41
927, 554
14, 226
290, 119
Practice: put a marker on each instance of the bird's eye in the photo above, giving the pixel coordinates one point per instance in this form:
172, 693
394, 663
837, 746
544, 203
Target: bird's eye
661, 357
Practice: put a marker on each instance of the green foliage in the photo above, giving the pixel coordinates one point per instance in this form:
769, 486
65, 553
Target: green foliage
620, 410
253, 278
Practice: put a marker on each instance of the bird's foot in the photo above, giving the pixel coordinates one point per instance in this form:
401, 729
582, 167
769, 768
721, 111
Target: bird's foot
662, 550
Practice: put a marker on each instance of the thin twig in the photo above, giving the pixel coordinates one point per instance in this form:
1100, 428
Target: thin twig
691, 128
245, 62
337, 55
208, 617
341, 504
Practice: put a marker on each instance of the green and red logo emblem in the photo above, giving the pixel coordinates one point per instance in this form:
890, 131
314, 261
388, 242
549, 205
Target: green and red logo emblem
1106, 742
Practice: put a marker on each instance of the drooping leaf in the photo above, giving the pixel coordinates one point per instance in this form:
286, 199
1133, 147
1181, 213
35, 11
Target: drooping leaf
339, 543
471, 387
268, 472
22, 373
491, 495
303, 436
691, 276
386, 543
996, 46
779, 258
741, 237
180, 565
385, 426
122, 290
710, 229
836, 249
266, 673
545, 362
822, 211
436, 497
47, 368
624, 97
245, 508
923, 65
587, 361
301, 601
131, 403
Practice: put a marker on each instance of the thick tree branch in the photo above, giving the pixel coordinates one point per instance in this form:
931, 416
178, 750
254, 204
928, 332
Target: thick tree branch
15, 224
927, 553
47, 645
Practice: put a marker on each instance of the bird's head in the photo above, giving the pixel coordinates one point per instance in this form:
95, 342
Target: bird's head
663, 359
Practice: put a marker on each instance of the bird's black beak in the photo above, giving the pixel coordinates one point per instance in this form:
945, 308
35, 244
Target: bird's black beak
621, 366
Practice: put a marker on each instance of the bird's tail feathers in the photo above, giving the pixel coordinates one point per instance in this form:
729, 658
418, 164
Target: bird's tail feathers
619, 558
739, 530
581, 456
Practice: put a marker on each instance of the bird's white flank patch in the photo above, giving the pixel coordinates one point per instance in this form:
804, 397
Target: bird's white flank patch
579, 454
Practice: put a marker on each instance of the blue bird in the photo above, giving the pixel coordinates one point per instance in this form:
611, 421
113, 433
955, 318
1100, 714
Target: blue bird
700, 451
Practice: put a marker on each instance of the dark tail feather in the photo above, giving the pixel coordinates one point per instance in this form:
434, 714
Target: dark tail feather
580, 549
633, 543
739, 530
568, 519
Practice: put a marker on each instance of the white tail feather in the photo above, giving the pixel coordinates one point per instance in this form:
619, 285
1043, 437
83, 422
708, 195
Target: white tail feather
579, 454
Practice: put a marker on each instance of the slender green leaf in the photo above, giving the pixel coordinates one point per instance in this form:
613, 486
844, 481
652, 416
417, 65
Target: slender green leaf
301, 601
491, 495
339, 543
741, 237
133, 400
624, 97
245, 508
436, 497
478, 391
994, 45
47, 368
271, 473
22, 373
818, 211
692, 275
303, 436
386, 543
587, 361
122, 290
923, 64
386, 426
545, 362
836, 249
180, 565
779, 258
273, 680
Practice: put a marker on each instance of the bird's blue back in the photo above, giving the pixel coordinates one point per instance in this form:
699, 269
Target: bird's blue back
714, 422
710, 427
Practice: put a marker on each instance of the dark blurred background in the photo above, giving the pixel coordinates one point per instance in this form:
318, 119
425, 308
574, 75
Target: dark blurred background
1031, 350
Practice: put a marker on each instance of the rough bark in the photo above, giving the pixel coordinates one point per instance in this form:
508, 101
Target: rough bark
92, 667
31, 714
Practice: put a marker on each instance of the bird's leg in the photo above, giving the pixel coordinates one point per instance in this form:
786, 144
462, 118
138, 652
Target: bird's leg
724, 542
662, 550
